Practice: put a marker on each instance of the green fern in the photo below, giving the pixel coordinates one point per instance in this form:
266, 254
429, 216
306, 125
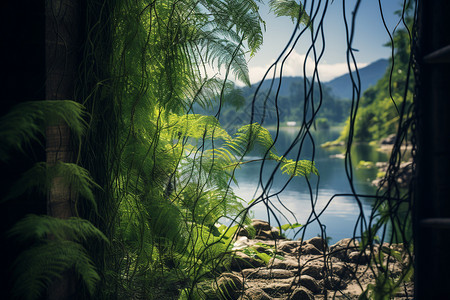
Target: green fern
207, 92
56, 248
55, 243
40, 178
249, 137
34, 227
36, 268
297, 168
27, 122
292, 9
241, 14
165, 190
254, 136
196, 126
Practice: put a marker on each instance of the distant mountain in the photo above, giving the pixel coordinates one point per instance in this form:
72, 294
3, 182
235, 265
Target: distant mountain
287, 107
285, 88
341, 86
290, 102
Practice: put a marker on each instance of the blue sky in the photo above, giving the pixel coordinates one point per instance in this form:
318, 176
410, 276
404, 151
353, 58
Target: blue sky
370, 35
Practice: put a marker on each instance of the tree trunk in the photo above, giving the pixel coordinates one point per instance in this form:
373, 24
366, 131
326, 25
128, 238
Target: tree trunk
60, 202
62, 46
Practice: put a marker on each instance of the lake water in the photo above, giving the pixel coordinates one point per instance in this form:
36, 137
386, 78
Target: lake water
295, 200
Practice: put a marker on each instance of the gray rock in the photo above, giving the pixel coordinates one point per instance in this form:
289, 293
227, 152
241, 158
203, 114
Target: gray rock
310, 283
319, 243
261, 225
381, 165
342, 271
359, 258
310, 249
345, 243
255, 242
267, 273
403, 175
301, 294
314, 271
289, 246
287, 263
389, 140
229, 286
343, 248
256, 294
397, 247
333, 283
261, 249
264, 231
243, 232
276, 233
277, 288
272, 234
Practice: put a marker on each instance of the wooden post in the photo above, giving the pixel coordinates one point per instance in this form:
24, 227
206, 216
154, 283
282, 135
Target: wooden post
62, 60
432, 194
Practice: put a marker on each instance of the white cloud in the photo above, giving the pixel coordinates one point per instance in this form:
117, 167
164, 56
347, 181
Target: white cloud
294, 67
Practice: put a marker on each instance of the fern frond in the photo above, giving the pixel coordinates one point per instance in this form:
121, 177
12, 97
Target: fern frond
77, 178
243, 14
222, 155
40, 178
36, 268
223, 53
292, 9
209, 91
298, 168
166, 224
196, 126
248, 137
235, 98
254, 136
26, 122
33, 227
33, 180
205, 91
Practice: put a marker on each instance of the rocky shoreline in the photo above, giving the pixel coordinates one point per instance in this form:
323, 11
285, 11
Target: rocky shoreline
305, 269
403, 176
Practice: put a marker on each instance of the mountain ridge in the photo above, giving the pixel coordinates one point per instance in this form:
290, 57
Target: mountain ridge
342, 86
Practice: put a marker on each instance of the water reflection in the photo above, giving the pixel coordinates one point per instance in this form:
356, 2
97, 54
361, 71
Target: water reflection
298, 199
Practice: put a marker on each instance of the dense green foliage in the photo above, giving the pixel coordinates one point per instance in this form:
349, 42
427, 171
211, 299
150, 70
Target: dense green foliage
379, 107
27, 122
52, 245
292, 9
165, 183
151, 179
49, 257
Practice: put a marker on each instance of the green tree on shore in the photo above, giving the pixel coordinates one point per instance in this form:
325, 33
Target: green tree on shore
378, 111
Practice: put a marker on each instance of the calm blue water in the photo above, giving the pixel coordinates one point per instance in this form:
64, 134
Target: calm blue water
300, 201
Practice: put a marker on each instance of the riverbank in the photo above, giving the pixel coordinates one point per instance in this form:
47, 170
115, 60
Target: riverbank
385, 146
270, 267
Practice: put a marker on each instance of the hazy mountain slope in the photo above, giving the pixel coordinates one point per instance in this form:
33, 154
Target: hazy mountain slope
288, 106
341, 86
290, 101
